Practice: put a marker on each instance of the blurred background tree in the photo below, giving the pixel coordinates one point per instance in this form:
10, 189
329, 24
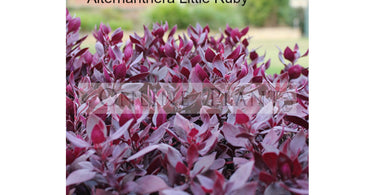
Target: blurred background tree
214, 14
268, 13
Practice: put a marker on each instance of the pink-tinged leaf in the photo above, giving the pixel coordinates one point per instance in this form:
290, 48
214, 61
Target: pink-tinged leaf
173, 155
252, 106
192, 154
173, 192
74, 25
264, 114
76, 141
209, 143
297, 120
234, 55
149, 184
82, 51
230, 131
239, 160
202, 75
285, 171
297, 143
138, 77
218, 164
99, 49
266, 178
169, 51
193, 132
137, 60
158, 32
204, 163
122, 131
297, 168
128, 52
206, 182
69, 156
281, 82
218, 65
80, 176
197, 59
157, 134
97, 135
248, 189
105, 29
185, 72
187, 48
219, 183
126, 115
241, 117
181, 168
271, 159
289, 55
209, 55
173, 30
196, 189
271, 138
107, 77
161, 117
94, 121
117, 36
181, 124
242, 174
119, 71
143, 152
244, 31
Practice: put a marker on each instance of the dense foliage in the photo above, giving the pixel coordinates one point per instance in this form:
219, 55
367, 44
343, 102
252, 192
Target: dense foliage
117, 144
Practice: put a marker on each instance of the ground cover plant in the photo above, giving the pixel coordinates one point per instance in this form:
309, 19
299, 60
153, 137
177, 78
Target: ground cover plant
188, 114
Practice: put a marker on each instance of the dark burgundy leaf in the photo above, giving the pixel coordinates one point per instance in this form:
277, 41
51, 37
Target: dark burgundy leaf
271, 159
241, 117
289, 55
181, 168
192, 154
209, 55
294, 71
234, 55
297, 120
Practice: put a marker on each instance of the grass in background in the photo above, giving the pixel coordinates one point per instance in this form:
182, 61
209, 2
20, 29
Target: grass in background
269, 46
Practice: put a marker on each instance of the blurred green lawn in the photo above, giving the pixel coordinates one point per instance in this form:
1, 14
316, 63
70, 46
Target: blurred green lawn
272, 52
265, 46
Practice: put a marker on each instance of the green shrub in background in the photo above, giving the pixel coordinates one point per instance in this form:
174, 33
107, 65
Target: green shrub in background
268, 12
90, 18
216, 15
255, 13
173, 13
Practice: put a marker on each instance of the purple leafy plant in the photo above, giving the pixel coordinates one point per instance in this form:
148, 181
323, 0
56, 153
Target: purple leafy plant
226, 127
